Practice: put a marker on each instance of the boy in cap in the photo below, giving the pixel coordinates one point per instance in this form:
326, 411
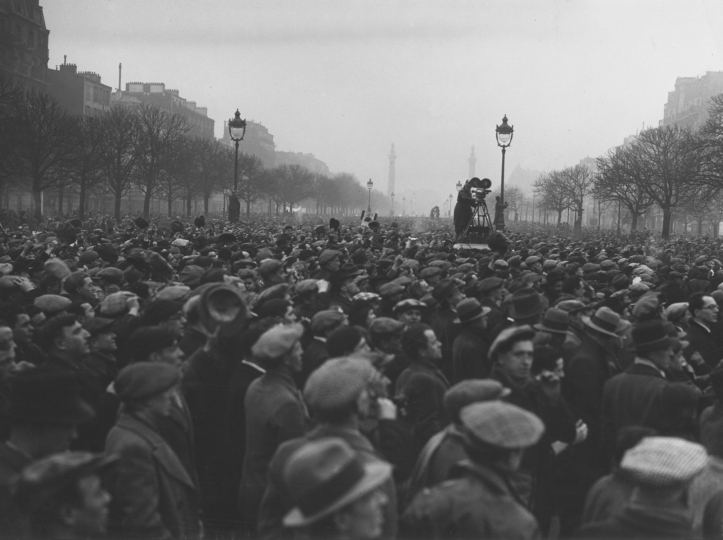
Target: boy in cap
335, 493
275, 411
316, 353
153, 493
479, 502
340, 395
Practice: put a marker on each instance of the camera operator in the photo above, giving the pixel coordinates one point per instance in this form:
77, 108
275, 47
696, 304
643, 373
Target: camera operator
467, 202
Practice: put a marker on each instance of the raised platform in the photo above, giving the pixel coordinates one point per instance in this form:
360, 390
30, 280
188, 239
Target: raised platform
470, 246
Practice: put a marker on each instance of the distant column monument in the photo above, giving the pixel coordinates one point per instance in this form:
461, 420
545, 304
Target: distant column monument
392, 164
472, 163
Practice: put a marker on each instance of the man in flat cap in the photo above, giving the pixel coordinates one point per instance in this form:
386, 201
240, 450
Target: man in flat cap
62, 495
316, 353
491, 292
386, 337
662, 469
153, 494
409, 311
469, 352
339, 396
329, 262
479, 502
275, 411
445, 449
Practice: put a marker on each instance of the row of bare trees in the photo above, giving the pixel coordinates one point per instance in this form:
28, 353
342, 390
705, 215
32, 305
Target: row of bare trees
676, 172
145, 150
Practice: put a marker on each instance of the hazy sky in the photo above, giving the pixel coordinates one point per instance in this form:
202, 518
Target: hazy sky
344, 79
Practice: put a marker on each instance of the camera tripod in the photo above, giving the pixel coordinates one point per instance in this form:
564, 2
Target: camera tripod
479, 226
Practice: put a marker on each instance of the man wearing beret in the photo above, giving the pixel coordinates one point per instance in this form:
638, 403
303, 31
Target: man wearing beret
275, 411
480, 502
153, 494
340, 396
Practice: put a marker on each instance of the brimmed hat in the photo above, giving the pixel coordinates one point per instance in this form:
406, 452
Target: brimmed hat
664, 462
604, 320
526, 303
555, 321
469, 310
443, 289
326, 475
501, 424
649, 336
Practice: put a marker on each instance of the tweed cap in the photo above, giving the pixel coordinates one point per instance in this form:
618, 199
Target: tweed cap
490, 284
87, 257
328, 256
430, 272
174, 293
50, 304
115, 304
270, 266
307, 286
676, 311
472, 391
144, 380
386, 325
111, 274
664, 462
325, 320
646, 306
57, 268
532, 259
390, 289
277, 341
337, 382
501, 424
512, 333
572, 306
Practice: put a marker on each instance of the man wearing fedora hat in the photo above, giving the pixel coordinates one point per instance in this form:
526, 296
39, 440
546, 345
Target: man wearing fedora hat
553, 329
635, 396
340, 395
336, 494
469, 352
525, 307
480, 501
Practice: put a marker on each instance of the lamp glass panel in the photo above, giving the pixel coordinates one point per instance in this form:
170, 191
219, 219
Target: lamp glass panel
504, 138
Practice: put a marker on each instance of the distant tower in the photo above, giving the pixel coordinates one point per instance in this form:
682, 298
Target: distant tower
472, 163
392, 164
120, 70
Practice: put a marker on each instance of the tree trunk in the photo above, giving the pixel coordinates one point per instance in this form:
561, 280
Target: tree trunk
81, 200
147, 204
170, 206
117, 208
634, 221
188, 206
666, 222
205, 205
559, 217
37, 197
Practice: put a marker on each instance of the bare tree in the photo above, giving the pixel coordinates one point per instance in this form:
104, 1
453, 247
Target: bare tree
120, 130
577, 183
41, 129
551, 190
86, 161
160, 133
253, 178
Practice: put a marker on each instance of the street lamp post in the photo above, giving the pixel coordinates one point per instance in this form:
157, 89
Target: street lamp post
236, 129
449, 211
392, 196
370, 185
504, 133
459, 185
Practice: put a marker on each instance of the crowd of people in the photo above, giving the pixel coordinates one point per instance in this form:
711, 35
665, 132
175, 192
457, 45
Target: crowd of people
352, 380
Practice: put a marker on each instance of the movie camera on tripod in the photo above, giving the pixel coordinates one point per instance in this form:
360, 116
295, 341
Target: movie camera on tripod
479, 224
482, 189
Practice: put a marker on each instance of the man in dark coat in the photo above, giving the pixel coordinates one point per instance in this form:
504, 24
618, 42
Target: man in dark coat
704, 318
490, 293
322, 324
275, 412
469, 352
593, 363
635, 396
662, 469
337, 396
153, 494
422, 385
480, 502
448, 295
445, 449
